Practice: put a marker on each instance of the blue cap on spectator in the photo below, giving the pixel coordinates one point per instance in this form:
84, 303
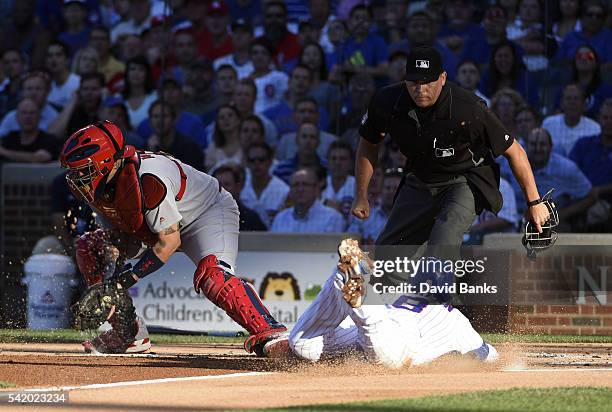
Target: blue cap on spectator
112, 101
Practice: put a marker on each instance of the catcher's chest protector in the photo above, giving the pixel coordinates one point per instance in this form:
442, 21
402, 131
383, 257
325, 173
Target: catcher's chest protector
125, 210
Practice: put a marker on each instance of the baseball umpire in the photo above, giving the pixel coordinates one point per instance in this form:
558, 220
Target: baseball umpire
450, 140
164, 204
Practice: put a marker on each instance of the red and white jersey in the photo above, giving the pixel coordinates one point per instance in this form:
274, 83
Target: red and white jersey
185, 193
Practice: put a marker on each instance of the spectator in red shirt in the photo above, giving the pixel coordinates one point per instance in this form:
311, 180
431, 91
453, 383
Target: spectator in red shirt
215, 41
285, 44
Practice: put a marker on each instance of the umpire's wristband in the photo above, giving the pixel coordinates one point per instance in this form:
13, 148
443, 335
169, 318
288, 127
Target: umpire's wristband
534, 202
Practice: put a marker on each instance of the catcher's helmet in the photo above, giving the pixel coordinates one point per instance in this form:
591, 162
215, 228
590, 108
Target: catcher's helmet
89, 155
534, 240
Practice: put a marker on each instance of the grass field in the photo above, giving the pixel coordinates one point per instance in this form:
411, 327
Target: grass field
74, 336
512, 400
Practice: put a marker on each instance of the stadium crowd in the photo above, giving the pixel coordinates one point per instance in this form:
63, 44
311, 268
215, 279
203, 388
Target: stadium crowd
268, 96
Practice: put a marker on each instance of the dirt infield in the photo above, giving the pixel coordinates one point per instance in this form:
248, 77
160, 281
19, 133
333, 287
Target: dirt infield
223, 376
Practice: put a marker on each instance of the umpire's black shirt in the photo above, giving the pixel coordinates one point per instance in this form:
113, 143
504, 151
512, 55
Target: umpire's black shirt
457, 135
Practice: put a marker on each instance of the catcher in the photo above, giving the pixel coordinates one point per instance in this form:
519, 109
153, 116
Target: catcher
155, 200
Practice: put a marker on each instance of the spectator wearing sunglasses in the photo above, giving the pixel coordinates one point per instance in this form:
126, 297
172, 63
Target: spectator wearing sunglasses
263, 192
285, 45
593, 33
586, 71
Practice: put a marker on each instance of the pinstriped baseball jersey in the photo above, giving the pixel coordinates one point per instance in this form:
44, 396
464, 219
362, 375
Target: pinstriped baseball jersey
390, 335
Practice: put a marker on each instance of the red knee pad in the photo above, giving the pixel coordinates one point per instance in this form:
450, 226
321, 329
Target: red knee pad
237, 298
91, 257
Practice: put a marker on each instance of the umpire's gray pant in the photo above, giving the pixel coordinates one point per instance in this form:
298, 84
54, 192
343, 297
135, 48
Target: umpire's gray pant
435, 214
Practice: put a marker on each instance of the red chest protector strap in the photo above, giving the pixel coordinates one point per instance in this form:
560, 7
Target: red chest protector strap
181, 192
179, 195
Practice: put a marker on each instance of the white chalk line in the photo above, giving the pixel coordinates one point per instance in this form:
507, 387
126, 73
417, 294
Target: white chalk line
144, 382
560, 370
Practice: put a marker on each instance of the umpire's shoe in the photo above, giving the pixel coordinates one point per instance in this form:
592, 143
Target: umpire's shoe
352, 264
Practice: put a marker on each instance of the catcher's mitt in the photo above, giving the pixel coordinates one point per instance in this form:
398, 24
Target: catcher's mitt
103, 301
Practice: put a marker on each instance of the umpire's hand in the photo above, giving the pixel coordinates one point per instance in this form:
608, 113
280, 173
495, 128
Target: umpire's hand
361, 208
538, 214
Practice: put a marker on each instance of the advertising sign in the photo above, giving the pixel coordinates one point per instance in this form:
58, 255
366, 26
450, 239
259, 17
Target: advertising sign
286, 281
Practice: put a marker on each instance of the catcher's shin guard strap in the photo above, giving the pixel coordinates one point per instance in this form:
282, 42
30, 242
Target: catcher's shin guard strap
236, 297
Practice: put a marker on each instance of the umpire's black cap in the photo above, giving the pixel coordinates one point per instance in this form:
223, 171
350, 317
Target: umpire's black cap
424, 64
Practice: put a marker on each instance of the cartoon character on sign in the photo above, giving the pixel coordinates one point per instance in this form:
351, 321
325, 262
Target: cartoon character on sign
279, 287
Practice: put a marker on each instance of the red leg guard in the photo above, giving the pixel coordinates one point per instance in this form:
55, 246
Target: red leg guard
236, 297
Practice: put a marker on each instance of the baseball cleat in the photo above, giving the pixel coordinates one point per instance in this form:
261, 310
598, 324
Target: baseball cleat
277, 347
257, 343
141, 343
352, 263
493, 355
485, 353
110, 342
